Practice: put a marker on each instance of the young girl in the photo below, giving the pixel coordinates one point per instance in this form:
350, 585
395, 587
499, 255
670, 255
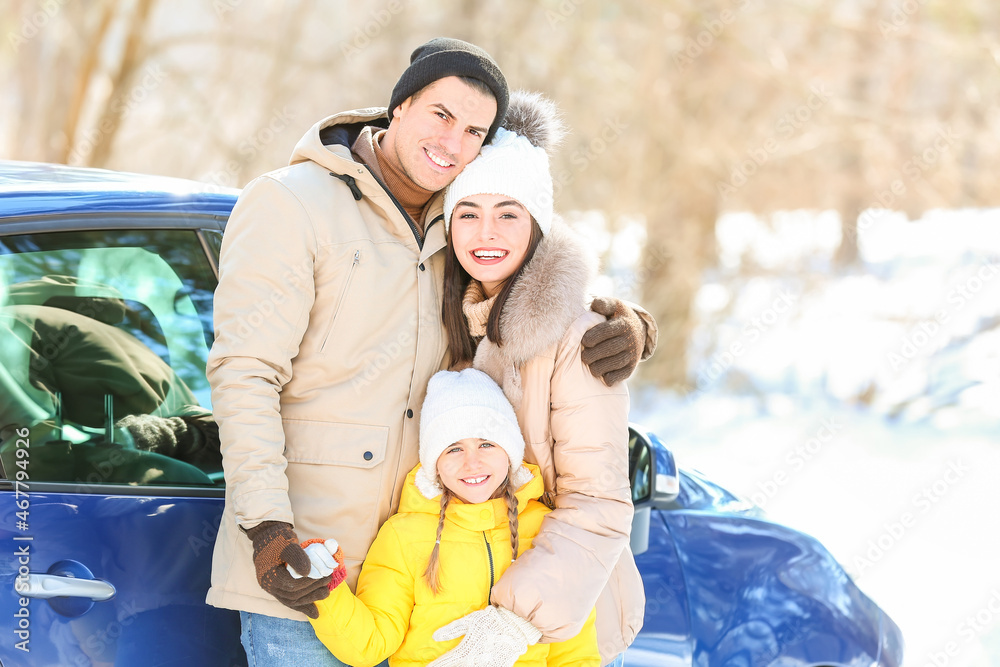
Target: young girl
515, 307
465, 510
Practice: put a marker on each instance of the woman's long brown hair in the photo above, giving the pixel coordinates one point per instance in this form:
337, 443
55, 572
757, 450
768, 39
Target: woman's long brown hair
461, 345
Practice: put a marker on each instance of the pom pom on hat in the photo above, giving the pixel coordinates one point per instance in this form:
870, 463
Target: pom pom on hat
466, 404
535, 118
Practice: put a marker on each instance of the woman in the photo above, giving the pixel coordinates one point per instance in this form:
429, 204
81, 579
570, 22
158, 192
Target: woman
515, 308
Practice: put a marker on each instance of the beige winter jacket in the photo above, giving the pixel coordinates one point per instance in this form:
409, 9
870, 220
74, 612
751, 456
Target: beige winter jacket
328, 327
576, 431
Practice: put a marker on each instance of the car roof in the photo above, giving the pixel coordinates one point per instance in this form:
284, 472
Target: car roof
36, 188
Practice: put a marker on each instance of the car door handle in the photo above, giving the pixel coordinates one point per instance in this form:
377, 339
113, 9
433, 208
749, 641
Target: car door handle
52, 586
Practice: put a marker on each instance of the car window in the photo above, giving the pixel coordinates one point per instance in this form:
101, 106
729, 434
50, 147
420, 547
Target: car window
104, 337
639, 468
213, 238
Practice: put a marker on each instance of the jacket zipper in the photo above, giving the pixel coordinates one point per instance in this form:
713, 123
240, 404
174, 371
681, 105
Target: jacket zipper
406, 216
343, 295
420, 245
431, 223
355, 192
489, 554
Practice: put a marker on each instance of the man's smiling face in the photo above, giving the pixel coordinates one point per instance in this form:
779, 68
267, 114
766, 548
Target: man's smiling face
438, 131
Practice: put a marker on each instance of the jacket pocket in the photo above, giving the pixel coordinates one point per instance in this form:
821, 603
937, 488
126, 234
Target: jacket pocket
335, 478
340, 300
334, 444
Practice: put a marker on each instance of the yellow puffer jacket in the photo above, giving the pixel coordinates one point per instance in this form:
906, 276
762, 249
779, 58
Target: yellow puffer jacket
395, 613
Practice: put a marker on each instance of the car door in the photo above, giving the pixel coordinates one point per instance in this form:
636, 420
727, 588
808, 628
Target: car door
111, 485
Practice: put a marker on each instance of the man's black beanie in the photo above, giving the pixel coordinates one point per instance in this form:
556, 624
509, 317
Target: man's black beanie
443, 57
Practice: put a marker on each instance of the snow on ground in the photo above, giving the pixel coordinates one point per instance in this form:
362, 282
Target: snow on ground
859, 406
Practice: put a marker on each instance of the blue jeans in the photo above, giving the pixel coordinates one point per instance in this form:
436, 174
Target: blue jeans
277, 642
617, 662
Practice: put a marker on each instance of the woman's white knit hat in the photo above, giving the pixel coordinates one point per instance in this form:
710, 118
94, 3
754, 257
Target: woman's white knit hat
516, 163
466, 404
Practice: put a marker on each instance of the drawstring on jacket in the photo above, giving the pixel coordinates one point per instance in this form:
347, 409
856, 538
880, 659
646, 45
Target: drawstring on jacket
351, 183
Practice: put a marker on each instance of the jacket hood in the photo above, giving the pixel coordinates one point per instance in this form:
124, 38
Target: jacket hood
549, 295
328, 142
471, 516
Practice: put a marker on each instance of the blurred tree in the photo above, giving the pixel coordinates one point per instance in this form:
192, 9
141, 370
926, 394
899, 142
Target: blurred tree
678, 165
123, 74
852, 131
73, 62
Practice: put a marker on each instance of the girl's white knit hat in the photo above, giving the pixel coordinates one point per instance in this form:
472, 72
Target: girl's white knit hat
516, 163
466, 404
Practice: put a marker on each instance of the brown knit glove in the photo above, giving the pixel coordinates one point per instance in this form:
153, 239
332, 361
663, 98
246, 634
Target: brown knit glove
612, 349
274, 544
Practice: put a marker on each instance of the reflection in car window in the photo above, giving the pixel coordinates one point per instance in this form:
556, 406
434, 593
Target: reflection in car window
104, 336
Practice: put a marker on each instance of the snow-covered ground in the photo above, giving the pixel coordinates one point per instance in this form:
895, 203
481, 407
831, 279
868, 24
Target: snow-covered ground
859, 406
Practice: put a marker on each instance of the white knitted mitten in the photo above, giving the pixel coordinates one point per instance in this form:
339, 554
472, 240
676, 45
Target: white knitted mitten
321, 558
494, 637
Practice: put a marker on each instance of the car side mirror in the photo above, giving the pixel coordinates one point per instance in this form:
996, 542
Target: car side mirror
654, 480
652, 470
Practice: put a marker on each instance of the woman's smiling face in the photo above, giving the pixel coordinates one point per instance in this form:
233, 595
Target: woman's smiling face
490, 235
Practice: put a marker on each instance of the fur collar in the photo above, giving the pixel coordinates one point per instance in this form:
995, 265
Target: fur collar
548, 297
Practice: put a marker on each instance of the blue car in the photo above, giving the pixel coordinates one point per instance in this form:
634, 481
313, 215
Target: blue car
111, 484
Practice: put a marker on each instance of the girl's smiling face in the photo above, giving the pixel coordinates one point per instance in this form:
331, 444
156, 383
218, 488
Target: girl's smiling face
473, 469
490, 235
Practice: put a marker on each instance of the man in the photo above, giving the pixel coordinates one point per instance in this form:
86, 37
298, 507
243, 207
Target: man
328, 327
